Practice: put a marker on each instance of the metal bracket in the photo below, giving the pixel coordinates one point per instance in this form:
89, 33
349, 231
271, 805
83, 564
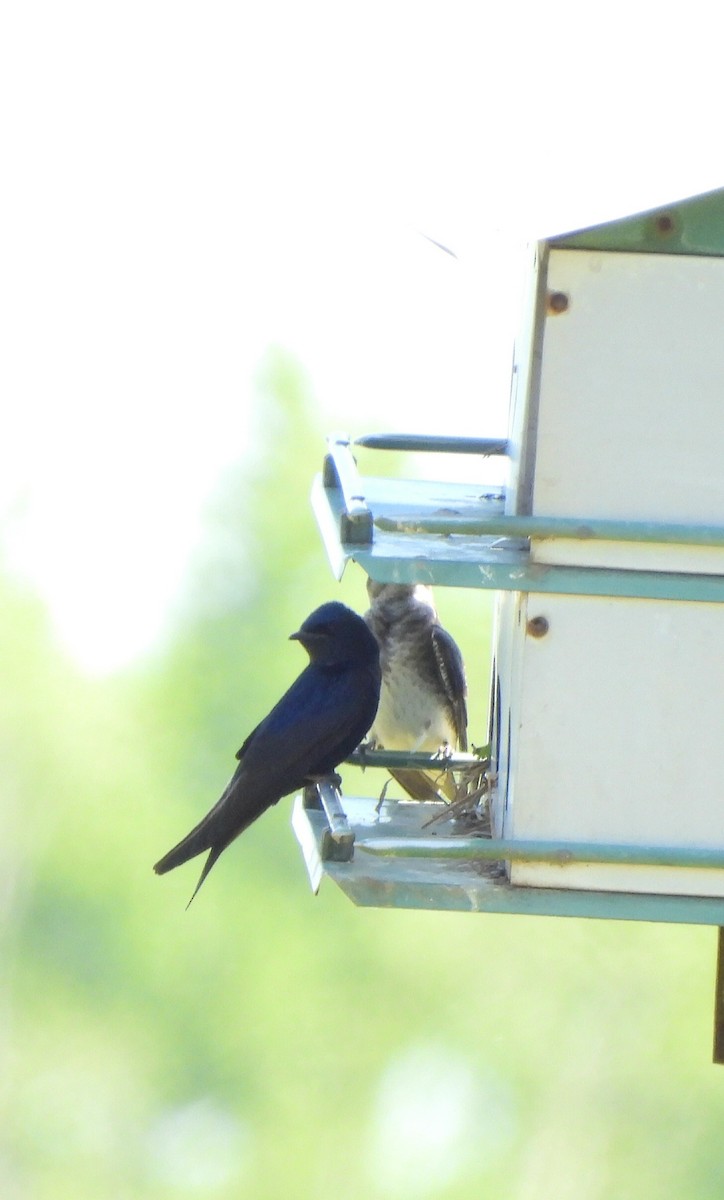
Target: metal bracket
340, 471
337, 842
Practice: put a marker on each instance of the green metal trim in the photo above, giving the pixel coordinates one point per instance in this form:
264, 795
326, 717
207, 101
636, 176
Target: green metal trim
458, 535
415, 759
394, 496
415, 443
437, 883
692, 226
560, 854
497, 572
441, 894
580, 529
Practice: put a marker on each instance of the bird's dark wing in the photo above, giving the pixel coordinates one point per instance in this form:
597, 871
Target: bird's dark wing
319, 721
450, 665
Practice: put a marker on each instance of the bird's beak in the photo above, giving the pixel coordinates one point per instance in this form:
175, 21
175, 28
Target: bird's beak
305, 636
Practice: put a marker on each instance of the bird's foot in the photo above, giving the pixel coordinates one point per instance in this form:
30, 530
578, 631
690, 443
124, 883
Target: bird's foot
362, 750
331, 777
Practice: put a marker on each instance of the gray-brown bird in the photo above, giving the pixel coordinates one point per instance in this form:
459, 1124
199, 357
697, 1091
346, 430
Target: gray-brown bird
423, 695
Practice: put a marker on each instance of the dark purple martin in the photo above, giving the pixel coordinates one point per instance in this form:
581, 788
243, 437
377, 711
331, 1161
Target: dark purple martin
317, 723
423, 696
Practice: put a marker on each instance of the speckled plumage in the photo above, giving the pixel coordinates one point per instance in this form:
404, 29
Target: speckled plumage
422, 698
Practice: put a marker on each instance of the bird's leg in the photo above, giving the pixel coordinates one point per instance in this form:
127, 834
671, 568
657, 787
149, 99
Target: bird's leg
331, 778
373, 744
445, 751
370, 744
383, 795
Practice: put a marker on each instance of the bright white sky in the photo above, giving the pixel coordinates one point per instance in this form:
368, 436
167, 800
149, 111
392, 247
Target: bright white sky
186, 184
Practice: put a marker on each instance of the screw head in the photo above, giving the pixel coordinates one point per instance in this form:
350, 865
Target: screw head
558, 302
537, 627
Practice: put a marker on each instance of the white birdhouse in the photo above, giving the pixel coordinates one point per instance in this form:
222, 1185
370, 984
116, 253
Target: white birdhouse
606, 549
611, 698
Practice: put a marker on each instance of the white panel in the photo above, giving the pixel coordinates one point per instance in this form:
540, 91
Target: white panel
617, 735
505, 639
641, 556
523, 390
631, 403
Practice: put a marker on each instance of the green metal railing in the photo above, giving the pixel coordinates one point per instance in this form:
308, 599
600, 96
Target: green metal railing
454, 536
660, 532
560, 854
415, 443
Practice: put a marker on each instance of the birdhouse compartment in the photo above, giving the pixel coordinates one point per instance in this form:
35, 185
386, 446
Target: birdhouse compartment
610, 709
610, 730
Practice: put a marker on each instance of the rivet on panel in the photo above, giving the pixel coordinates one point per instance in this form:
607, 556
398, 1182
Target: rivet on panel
558, 302
537, 627
664, 224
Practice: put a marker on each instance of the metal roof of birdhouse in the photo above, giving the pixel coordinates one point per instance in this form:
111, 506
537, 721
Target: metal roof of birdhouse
691, 226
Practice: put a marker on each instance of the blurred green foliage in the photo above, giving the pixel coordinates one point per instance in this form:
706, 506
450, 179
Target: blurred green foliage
266, 1043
